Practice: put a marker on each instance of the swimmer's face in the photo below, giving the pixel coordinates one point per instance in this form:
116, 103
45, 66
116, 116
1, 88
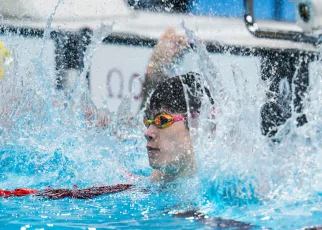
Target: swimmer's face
169, 149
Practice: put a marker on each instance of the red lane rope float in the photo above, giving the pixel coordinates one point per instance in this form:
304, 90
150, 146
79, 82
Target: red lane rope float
17, 192
86, 193
5, 193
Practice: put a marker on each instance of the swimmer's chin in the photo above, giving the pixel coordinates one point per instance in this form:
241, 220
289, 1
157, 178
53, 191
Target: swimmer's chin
154, 165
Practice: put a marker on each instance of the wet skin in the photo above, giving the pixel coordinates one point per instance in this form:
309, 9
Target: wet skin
170, 150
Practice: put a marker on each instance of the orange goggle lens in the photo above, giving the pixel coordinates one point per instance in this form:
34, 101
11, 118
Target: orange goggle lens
162, 121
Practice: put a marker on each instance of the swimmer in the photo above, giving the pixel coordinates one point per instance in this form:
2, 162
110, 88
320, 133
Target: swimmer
168, 50
169, 144
164, 168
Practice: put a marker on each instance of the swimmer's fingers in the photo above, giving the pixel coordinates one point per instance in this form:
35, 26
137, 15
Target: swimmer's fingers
96, 117
171, 36
166, 53
88, 113
168, 34
103, 119
180, 42
169, 48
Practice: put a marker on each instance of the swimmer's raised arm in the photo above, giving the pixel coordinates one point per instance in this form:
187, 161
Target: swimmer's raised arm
165, 53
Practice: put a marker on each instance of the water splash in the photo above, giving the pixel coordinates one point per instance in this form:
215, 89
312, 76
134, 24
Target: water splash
44, 87
238, 162
48, 140
234, 147
80, 89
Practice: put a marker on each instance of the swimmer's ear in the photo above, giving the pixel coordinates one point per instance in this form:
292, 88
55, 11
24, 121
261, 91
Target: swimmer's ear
194, 119
210, 126
213, 120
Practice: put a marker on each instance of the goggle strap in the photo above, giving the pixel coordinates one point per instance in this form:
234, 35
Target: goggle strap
180, 118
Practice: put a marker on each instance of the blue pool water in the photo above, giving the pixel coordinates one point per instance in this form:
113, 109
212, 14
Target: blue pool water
145, 206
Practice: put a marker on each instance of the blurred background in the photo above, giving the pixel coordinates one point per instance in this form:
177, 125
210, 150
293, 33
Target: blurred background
280, 10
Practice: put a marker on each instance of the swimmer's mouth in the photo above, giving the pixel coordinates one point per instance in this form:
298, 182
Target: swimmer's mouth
151, 149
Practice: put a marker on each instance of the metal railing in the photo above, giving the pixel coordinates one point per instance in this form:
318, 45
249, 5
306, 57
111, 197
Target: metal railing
278, 34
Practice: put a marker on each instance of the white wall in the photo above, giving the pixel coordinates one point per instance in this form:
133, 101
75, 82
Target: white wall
118, 61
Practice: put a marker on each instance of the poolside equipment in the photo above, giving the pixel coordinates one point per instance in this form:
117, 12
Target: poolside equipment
309, 18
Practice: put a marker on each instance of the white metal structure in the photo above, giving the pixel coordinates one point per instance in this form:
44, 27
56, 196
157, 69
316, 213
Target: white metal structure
73, 15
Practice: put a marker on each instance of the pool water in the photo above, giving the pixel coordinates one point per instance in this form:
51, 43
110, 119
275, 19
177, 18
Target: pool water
146, 205
126, 210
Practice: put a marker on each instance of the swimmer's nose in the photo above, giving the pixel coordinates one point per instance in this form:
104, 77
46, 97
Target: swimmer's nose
150, 133
149, 138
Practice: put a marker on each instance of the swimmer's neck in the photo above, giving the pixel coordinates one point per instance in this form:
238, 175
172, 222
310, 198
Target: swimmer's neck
158, 176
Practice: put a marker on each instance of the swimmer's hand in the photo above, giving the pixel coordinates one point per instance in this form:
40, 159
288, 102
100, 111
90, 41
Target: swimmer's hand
165, 53
96, 117
168, 49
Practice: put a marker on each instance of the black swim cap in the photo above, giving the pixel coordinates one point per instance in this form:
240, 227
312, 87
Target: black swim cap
169, 95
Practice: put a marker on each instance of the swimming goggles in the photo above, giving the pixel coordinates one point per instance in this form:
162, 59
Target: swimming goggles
162, 120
